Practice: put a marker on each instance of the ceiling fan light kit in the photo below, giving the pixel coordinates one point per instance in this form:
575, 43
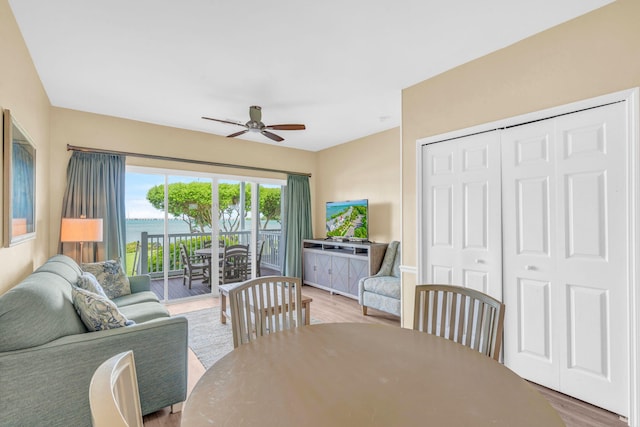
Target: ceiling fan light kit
255, 125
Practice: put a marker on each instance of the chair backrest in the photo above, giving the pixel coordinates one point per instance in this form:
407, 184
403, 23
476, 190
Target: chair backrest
264, 305
184, 256
463, 315
236, 248
235, 264
113, 393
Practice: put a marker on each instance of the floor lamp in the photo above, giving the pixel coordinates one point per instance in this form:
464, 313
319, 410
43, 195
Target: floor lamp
80, 230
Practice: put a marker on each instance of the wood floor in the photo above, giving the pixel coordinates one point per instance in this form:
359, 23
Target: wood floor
335, 308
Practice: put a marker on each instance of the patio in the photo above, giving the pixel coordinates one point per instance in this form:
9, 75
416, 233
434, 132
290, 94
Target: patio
177, 290
149, 258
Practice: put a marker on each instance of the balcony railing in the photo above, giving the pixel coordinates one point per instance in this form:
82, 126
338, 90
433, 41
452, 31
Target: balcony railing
152, 247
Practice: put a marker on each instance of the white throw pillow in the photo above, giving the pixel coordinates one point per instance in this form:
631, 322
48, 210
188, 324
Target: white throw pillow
97, 312
89, 282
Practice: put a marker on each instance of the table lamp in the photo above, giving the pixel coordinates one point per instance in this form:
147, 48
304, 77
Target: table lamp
81, 230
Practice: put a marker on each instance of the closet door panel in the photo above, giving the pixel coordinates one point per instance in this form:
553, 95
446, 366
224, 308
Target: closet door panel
441, 212
481, 226
532, 216
534, 319
528, 184
461, 213
592, 267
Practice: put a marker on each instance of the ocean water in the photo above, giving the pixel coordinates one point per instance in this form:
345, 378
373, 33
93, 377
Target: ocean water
135, 227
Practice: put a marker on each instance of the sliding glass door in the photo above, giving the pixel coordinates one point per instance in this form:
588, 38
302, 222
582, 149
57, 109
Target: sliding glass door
179, 224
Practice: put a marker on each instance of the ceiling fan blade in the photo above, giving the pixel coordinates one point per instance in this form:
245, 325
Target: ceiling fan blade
223, 121
272, 136
286, 127
255, 113
237, 133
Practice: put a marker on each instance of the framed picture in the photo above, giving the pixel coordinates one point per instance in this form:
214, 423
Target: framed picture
19, 195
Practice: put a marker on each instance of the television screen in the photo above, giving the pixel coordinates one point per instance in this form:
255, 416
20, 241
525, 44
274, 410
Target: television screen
348, 219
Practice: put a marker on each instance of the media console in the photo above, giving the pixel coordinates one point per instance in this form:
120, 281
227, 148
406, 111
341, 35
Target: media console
338, 266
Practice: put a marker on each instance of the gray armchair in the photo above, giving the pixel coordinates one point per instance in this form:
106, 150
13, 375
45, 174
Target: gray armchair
382, 290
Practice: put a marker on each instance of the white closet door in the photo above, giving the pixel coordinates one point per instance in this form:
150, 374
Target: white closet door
592, 269
529, 227
461, 208
565, 254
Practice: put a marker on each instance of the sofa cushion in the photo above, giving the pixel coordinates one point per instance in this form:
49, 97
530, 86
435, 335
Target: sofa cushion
136, 298
144, 311
387, 262
89, 282
110, 276
97, 312
64, 267
37, 311
388, 286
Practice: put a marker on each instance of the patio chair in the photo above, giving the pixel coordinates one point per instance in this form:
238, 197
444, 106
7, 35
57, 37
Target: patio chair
234, 266
463, 315
192, 269
263, 306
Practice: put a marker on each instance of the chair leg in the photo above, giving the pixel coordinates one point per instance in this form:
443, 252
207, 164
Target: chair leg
364, 310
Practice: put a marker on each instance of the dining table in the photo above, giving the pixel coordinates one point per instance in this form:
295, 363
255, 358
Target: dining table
358, 374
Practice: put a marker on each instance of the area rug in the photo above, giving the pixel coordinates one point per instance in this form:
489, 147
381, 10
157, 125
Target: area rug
209, 339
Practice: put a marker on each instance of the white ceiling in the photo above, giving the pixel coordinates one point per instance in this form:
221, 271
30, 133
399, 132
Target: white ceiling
337, 66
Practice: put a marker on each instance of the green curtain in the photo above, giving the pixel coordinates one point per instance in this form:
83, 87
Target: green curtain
95, 188
298, 223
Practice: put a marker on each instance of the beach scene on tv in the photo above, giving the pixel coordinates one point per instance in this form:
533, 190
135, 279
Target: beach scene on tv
347, 219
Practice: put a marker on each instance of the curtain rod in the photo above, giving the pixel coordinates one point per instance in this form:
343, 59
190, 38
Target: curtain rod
179, 159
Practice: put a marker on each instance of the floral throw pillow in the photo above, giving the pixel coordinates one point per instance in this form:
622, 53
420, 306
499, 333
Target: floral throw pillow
89, 282
110, 276
97, 312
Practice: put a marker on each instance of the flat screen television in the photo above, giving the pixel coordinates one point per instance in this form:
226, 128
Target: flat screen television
348, 219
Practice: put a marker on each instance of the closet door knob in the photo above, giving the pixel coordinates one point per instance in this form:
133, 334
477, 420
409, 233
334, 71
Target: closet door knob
479, 261
530, 267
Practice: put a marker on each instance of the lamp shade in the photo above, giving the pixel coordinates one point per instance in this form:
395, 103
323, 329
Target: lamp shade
81, 230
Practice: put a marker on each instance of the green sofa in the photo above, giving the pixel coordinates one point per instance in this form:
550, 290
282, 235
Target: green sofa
47, 357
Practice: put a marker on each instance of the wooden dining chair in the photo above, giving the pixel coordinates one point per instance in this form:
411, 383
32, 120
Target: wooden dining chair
463, 315
264, 305
113, 393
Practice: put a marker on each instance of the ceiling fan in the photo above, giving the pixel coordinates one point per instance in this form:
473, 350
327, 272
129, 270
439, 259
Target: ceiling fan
255, 125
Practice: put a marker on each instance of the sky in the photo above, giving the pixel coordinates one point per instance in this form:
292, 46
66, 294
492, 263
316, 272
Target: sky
137, 185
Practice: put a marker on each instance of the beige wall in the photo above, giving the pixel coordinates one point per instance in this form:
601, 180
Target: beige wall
592, 55
21, 92
367, 168
98, 131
